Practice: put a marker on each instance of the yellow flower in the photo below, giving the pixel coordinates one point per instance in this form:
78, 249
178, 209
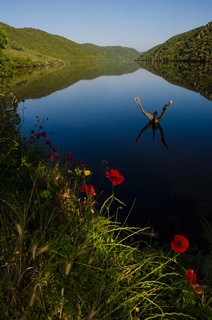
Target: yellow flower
67, 193
78, 171
136, 309
87, 173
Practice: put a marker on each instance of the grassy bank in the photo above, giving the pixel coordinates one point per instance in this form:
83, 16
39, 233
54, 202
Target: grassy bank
65, 256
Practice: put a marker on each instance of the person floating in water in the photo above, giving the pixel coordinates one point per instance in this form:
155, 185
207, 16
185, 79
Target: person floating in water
154, 122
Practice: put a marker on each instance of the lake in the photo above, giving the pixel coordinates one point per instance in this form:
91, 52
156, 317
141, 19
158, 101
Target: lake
92, 114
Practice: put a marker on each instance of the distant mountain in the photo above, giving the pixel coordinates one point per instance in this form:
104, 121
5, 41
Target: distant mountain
32, 47
194, 45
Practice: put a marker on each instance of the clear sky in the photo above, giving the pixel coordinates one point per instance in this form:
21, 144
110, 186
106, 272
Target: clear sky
140, 24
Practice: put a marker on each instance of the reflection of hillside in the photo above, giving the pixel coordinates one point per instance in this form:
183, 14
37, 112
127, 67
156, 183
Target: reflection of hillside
193, 76
38, 83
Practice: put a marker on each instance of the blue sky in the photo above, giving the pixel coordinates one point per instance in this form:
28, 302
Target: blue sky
140, 24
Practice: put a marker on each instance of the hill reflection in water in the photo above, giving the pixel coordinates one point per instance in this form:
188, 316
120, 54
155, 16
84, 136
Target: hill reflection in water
38, 83
193, 76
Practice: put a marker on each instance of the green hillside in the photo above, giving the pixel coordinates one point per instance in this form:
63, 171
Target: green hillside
112, 53
27, 47
194, 45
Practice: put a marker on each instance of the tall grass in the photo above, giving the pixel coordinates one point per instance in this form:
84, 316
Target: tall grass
64, 257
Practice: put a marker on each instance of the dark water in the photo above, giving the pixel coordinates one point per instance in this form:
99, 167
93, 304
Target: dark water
93, 114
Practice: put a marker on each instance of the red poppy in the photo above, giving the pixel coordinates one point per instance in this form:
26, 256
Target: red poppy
49, 155
69, 156
43, 134
36, 187
80, 166
64, 161
115, 177
48, 142
33, 131
93, 201
191, 276
24, 139
41, 127
57, 155
180, 243
38, 135
90, 189
197, 288
74, 163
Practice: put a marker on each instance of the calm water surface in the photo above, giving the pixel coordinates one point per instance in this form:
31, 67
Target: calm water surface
98, 121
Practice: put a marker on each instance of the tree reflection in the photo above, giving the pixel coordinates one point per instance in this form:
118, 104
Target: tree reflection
190, 75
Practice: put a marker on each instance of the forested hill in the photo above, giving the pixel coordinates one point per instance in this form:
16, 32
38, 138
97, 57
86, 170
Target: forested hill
194, 45
29, 46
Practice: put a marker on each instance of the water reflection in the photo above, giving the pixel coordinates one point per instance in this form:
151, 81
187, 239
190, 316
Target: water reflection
38, 83
154, 122
193, 76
